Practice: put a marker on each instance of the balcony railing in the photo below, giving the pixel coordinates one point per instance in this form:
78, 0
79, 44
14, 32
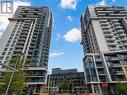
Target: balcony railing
108, 35
99, 66
112, 44
118, 73
103, 20
122, 35
99, 59
116, 65
101, 73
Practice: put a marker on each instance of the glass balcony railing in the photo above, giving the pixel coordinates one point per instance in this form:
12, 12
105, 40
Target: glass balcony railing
99, 59
101, 72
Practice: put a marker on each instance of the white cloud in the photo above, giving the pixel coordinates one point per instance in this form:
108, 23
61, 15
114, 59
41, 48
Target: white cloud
70, 18
68, 4
4, 17
103, 2
73, 35
55, 54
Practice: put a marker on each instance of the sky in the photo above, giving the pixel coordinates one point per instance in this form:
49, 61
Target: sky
65, 49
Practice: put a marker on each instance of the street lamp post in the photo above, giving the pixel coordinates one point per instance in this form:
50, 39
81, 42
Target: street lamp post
48, 83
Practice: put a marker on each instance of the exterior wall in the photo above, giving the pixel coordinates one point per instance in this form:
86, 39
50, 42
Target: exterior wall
91, 10
99, 36
6, 35
124, 23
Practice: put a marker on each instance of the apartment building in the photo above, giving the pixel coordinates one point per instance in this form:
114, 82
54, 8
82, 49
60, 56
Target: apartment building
104, 41
29, 32
75, 79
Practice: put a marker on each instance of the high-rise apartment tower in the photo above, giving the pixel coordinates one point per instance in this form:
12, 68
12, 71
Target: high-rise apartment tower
29, 32
104, 40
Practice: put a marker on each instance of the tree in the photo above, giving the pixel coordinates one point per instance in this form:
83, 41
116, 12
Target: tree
65, 84
18, 81
122, 87
4, 82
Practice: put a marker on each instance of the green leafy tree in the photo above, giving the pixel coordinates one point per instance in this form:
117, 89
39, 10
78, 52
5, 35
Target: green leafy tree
122, 88
18, 82
65, 84
4, 82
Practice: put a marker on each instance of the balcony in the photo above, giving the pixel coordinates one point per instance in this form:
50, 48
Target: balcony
120, 14
99, 9
107, 31
112, 44
110, 39
37, 76
98, 59
105, 11
124, 12
124, 40
112, 59
116, 24
119, 73
99, 66
103, 20
115, 20
115, 58
19, 46
125, 44
122, 35
24, 33
30, 83
106, 27
108, 35
101, 73
103, 79
26, 26
118, 27
116, 65
120, 31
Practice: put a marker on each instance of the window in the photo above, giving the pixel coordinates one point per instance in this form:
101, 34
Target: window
7, 45
1, 58
12, 45
5, 49
3, 53
7, 58
11, 49
9, 53
9, 41
96, 89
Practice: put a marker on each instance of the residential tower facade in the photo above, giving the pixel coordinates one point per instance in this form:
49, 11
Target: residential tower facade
29, 32
104, 40
75, 79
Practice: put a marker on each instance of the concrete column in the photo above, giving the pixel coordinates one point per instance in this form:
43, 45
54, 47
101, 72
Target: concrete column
96, 68
106, 67
100, 90
92, 88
